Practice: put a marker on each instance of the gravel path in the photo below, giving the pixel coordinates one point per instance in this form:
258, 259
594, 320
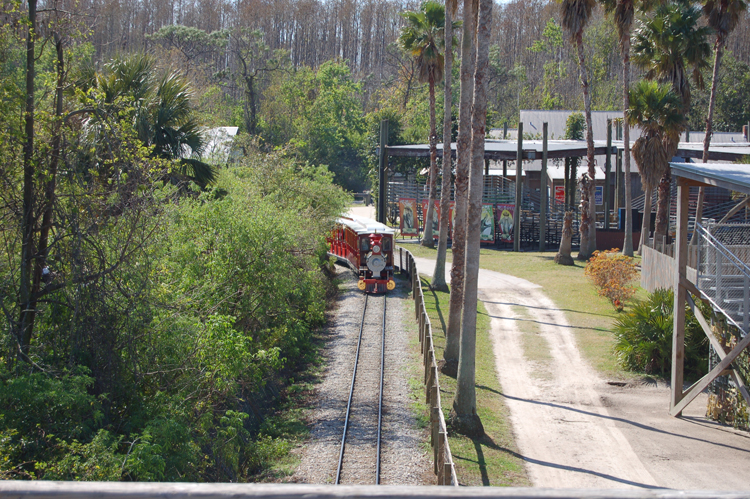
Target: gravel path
404, 457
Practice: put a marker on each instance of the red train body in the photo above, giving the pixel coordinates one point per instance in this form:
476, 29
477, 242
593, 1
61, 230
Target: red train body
367, 247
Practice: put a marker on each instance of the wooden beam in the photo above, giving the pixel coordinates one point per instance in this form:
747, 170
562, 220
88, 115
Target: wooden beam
678, 332
543, 192
706, 380
519, 191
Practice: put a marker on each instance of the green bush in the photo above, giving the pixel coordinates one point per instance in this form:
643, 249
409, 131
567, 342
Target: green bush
644, 338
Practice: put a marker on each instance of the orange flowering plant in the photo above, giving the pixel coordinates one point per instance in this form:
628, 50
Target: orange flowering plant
613, 273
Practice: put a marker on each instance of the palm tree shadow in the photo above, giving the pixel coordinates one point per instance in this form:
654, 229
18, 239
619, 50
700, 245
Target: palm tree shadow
437, 305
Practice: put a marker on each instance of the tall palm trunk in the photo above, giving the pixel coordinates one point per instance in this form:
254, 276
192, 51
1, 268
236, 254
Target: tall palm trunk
709, 127
428, 238
646, 226
464, 413
589, 153
438, 276
463, 145
627, 245
662, 206
27, 221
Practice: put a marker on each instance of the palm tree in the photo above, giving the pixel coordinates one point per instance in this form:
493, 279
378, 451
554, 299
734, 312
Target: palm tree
671, 47
624, 11
657, 110
422, 36
464, 415
161, 111
461, 192
575, 15
438, 277
723, 16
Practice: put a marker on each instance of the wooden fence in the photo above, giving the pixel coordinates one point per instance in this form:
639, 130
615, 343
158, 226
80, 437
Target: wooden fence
443, 465
658, 266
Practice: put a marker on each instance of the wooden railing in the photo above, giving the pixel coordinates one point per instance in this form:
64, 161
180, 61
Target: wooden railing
443, 465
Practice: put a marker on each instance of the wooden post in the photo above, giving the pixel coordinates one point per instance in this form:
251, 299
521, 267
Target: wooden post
619, 181
519, 191
447, 474
566, 184
607, 168
382, 164
543, 193
678, 333
505, 161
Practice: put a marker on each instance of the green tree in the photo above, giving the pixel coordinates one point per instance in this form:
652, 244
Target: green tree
464, 415
575, 15
672, 47
330, 127
159, 107
423, 37
461, 191
657, 110
551, 43
438, 276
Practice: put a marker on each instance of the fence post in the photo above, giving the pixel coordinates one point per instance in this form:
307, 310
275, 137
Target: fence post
447, 475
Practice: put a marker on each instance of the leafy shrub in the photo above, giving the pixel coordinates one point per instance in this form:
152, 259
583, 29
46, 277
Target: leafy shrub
644, 337
613, 274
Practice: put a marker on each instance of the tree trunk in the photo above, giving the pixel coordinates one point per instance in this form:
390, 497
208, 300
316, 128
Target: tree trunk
27, 219
251, 120
49, 193
627, 245
589, 250
709, 128
646, 226
584, 184
662, 206
464, 414
463, 145
428, 239
438, 276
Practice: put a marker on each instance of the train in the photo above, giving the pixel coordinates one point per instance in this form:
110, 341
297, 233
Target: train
366, 246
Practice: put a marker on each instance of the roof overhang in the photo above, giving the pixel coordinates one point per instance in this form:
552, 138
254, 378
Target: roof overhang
732, 176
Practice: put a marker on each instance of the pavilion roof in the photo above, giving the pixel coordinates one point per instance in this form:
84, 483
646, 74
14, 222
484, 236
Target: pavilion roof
732, 176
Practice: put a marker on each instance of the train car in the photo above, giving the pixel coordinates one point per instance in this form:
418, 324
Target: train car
367, 247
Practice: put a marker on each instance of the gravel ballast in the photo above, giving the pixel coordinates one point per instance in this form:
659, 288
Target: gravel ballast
405, 457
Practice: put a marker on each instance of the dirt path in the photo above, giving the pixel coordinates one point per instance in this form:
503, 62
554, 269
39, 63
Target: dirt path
575, 430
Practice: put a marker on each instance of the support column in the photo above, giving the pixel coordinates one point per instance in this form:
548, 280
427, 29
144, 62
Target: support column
543, 193
519, 191
382, 177
680, 276
607, 168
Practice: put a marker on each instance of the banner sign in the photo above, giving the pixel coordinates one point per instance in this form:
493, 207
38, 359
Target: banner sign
435, 216
487, 225
505, 222
408, 217
560, 193
599, 194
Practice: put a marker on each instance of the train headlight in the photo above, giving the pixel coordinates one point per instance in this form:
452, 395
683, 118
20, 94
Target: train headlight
376, 249
361, 285
391, 285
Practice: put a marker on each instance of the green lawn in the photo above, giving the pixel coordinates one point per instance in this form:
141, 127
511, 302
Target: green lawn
591, 314
492, 459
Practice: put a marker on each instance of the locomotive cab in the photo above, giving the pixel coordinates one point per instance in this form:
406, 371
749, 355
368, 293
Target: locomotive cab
367, 247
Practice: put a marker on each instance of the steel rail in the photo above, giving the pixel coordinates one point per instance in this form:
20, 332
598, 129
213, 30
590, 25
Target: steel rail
351, 394
380, 402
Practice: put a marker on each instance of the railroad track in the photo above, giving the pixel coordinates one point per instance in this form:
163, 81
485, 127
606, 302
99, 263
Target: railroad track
359, 457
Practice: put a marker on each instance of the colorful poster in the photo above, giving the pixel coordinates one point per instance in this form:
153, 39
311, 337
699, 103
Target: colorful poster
487, 225
408, 217
560, 193
435, 216
599, 194
505, 222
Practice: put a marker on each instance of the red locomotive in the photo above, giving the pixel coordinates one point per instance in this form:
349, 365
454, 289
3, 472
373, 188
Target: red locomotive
367, 247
